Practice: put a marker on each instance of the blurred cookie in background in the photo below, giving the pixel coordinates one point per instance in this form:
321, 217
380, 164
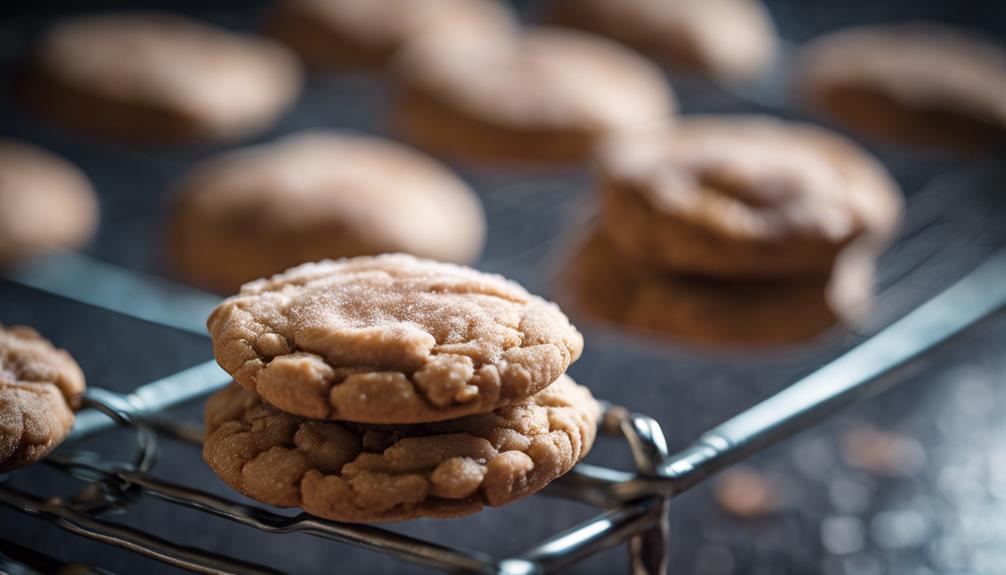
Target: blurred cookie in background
742, 197
45, 202
40, 387
545, 95
917, 83
601, 284
153, 77
363, 34
729, 40
258, 211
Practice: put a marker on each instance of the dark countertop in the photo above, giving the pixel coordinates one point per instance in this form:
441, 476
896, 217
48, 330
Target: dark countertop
947, 515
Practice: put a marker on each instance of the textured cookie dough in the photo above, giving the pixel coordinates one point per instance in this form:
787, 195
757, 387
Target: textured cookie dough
391, 339
545, 95
366, 473
915, 83
258, 211
727, 39
743, 197
153, 77
354, 34
45, 202
39, 387
600, 284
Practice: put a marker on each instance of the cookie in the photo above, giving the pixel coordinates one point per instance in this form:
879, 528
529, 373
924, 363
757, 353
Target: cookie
39, 388
599, 284
391, 339
916, 83
45, 202
726, 39
371, 473
182, 80
364, 34
743, 197
545, 95
259, 211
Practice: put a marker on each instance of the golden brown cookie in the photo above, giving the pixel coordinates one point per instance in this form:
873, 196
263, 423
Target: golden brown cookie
353, 34
153, 77
391, 339
599, 283
916, 83
45, 202
726, 39
545, 95
259, 211
743, 197
39, 388
368, 473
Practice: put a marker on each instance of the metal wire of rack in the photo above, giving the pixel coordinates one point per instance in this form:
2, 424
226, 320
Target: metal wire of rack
634, 503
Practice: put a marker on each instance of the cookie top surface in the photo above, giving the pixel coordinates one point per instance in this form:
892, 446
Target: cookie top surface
45, 202
317, 195
224, 82
391, 339
546, 78
365, 473
728, 39
365, 33
923, 65
39, 385
748, 181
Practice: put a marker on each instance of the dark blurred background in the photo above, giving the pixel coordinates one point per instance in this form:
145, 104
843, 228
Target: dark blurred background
942, 511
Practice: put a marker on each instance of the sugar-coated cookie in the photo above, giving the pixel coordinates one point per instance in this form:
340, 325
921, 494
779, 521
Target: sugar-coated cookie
39, 388
155, 77
45, 202
727, 39
316, 195
361, 34
917, 83
544, 95
743, 197
391, 339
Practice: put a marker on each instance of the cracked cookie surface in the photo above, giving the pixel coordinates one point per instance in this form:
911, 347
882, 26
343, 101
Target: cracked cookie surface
39, 386
372, 473
391, 339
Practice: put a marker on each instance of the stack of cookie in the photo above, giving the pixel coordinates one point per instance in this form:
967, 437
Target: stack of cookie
386, 388
735, 230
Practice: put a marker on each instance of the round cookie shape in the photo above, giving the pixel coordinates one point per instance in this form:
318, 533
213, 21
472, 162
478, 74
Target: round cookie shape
182, 80
917, 83
743, 197
730, 40
317, 195
602, 285
46, 202
366, 473
391, 339
39, 388
355, 34
545, 95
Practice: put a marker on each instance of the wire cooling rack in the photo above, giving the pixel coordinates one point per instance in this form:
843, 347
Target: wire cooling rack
634, 504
